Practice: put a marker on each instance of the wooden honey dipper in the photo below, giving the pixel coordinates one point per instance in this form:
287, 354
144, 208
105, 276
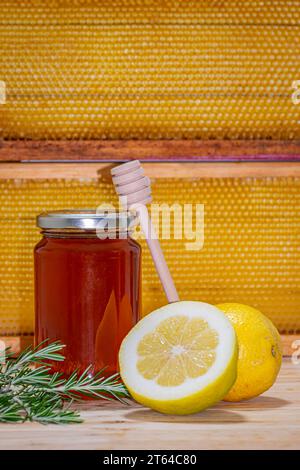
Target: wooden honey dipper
134, 191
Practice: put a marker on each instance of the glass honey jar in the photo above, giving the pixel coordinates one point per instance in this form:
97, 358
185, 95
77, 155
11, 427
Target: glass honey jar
87, 286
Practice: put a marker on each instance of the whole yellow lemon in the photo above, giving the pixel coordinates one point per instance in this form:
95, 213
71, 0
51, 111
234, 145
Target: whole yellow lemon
260, 352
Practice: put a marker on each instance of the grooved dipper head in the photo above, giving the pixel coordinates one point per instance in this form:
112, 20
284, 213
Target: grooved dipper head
131, 184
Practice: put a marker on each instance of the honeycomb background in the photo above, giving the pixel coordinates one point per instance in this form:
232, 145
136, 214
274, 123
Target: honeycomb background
120, 69
158, 69
250, 253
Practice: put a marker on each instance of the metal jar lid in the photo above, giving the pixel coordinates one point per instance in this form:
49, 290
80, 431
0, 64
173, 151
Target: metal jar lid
87, 219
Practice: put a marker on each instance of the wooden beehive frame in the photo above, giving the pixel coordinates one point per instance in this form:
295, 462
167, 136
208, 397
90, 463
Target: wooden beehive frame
151, 150
162, 158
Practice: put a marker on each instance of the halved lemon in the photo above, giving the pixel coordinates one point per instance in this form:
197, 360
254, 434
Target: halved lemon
180, 359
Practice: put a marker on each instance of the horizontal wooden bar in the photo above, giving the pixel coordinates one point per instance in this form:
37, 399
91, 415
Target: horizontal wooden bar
16, 343
150, 150
290, 343
153, 170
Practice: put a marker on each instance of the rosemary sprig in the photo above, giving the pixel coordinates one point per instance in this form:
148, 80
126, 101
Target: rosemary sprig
30, 392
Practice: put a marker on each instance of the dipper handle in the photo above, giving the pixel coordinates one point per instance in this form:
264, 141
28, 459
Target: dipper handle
134, 190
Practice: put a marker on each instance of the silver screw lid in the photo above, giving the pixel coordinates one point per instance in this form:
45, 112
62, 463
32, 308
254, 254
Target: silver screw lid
87, 219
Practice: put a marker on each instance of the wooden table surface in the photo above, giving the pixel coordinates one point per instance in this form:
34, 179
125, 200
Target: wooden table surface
271, 421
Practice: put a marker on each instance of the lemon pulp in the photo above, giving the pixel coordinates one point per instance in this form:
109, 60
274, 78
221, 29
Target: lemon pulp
178, 349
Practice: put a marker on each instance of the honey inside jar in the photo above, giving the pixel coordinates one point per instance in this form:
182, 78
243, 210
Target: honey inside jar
87, 289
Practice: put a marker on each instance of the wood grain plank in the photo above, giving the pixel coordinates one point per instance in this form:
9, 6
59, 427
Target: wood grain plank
270, 421
153, 170
150, 150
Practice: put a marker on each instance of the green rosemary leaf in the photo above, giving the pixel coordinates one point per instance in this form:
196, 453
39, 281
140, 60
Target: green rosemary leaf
58, 417
48, 408
30, 391
37, 355
10, 412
